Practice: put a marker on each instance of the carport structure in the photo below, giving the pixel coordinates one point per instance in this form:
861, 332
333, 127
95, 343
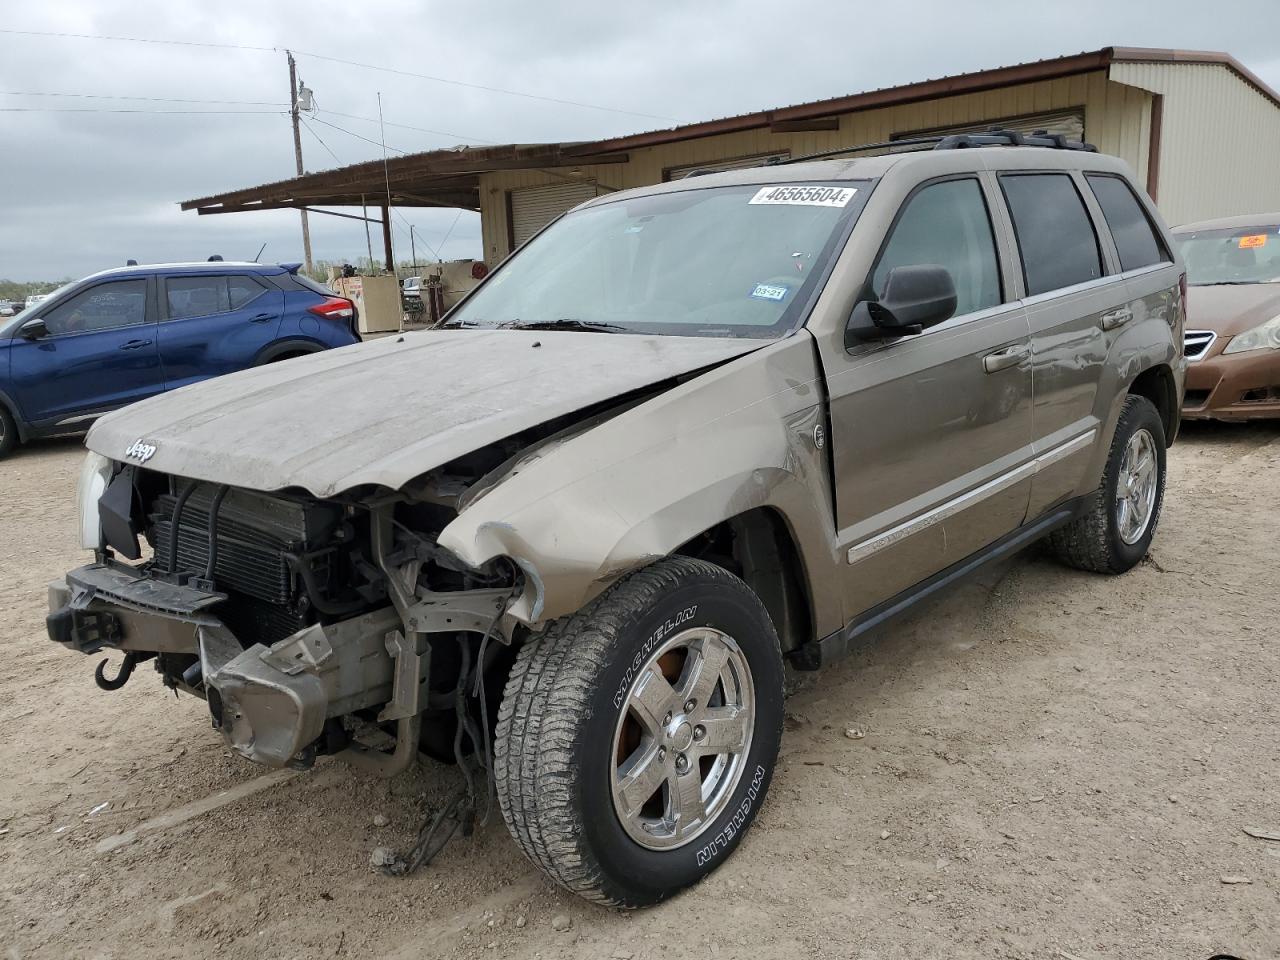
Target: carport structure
438, 178
1167, 113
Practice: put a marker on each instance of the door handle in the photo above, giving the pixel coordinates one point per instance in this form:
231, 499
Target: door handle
1116, 318
1004, 359
262, 318
135, 344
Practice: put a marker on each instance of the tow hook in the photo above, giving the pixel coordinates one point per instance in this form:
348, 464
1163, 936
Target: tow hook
120, 679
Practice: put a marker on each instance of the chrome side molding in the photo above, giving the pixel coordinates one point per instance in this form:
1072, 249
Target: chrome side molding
873, 545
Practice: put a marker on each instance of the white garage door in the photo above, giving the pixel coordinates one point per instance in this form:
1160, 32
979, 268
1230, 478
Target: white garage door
534, 207
1069, 123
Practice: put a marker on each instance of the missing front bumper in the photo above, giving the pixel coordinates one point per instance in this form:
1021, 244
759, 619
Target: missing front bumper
269, 702
272, 703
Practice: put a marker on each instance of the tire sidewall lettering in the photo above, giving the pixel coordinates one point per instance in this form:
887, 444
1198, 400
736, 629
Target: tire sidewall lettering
664, 629
722, 840
690, 605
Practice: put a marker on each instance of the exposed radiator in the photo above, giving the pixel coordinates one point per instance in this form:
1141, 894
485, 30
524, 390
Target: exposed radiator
254, 533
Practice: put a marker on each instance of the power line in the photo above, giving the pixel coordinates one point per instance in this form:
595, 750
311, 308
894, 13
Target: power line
405, 126
312, 131
189, 113
433, 250
356, 135
350, 63
449, 232
479, 86
104, 96
179, 43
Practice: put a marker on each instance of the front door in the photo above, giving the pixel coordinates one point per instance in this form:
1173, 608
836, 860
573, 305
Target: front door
100, 353
932, 433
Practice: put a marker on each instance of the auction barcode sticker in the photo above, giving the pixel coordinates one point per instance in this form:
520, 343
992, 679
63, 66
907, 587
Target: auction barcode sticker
805, 196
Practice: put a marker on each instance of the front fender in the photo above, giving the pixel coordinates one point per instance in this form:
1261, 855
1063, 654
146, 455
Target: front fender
636, 487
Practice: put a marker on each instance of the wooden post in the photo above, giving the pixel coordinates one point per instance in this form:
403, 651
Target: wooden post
386, 238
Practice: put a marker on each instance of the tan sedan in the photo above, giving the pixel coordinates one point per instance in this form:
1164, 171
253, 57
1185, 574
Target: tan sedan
1233, 317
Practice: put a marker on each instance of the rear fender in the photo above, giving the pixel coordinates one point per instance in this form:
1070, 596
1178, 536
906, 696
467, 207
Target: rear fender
1140, 346
283, 348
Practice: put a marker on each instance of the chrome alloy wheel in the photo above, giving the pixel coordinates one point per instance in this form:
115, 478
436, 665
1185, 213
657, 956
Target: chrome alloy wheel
681, 743
1136, 487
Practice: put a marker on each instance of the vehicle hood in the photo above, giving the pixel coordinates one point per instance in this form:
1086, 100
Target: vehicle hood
1229, 310
389, 410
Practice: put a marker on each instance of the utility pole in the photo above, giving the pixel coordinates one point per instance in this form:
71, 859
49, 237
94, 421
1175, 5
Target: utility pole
297, 152
413, 249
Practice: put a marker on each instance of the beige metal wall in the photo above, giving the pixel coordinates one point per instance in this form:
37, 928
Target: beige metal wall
1117, 119
1220, 140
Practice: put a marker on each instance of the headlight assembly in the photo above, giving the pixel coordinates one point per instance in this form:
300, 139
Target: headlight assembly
1261, 337
94, 477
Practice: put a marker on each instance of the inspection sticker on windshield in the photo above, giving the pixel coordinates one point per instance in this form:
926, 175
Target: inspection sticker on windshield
1255, 240
769, 291
805, 196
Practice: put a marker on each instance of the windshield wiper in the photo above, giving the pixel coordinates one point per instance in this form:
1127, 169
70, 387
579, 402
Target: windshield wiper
567, 323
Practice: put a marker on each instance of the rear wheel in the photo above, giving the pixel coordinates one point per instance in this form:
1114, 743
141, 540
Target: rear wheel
637, 738
1116, 531
8, 432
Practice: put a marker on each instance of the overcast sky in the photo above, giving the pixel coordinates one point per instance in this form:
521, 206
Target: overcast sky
81, 191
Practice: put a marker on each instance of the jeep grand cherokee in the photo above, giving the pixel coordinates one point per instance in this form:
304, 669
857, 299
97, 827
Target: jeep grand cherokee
686, 434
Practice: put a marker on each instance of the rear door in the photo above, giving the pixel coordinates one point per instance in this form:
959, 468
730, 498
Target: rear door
214, 324
931, 433
1070, 296
1152, 282
100, 353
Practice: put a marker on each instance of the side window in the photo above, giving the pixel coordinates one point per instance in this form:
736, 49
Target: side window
1135, 239
122, 303
243, 290
206, 296
947, 223
196, 296
1055, 236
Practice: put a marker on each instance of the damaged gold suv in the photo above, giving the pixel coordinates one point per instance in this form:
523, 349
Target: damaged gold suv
686, 435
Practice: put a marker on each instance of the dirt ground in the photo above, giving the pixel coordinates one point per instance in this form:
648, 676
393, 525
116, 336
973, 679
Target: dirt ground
1055, 765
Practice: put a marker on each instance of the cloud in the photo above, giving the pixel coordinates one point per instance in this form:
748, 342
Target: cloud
84, 191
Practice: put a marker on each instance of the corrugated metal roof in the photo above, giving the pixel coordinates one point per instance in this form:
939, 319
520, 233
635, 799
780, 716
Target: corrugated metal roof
451, 177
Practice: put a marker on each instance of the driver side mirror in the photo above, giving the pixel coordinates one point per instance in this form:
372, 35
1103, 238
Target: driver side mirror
915, 297
33, 329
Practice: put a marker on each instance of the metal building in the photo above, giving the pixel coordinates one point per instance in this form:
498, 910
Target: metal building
1201, 131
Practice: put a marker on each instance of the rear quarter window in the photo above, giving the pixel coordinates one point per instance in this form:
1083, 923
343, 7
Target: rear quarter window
313, 286
1136, 240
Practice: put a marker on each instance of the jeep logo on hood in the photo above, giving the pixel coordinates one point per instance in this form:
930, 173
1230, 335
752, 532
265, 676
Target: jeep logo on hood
140, 451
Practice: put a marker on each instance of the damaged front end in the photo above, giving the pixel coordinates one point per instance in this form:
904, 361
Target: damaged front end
309, 626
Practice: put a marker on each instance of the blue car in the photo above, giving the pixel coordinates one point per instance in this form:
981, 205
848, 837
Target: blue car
123, 335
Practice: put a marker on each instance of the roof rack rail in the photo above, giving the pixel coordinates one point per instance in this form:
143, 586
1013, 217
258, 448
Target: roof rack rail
858, 148
994, 137
999, 136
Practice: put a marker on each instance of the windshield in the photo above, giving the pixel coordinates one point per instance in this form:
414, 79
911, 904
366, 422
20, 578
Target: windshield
1236, 255
720, 261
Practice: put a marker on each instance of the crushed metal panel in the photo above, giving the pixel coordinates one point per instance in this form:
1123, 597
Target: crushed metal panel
439, 394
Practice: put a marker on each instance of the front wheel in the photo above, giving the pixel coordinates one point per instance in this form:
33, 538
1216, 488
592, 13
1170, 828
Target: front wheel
8, 432
1116, 530
637, 738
